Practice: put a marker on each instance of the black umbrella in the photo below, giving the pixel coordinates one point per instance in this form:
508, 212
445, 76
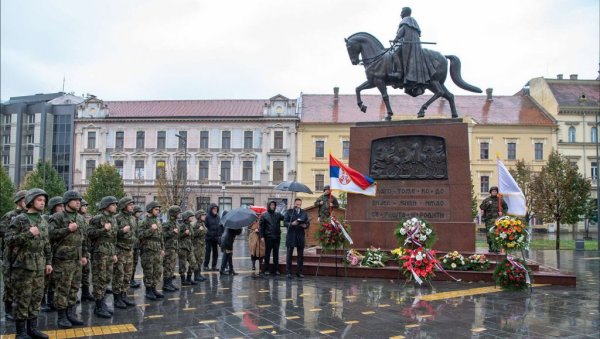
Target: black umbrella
293, 186
238, 218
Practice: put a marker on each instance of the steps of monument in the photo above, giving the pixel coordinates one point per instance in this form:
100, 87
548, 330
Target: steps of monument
545, 275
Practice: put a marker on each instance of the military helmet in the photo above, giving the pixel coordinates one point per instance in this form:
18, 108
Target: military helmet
185, 215
174, 210
54, 201
494, 188
84, 203
137, 209
107, 201
34, 193
71, 195
19, 195
124, 202
326, 187
200, 212
151, 206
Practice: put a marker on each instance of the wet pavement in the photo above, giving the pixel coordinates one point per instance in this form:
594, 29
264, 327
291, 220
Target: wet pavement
314, 307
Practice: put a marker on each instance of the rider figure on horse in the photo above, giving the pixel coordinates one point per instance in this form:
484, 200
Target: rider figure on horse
412, 68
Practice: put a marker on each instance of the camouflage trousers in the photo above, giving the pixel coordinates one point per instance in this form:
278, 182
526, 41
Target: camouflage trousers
198, 251
85, 274
136, 257
31, 290
8, 292
67, 278
489, 237
187, 262
152, 267
122, 271
102, 266
169, 262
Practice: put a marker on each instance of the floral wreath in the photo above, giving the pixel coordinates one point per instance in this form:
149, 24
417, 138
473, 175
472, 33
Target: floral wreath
374, 257
478, 262
333, 234
418, 264
353, 257
512, 274
510, 233
454, 261
415, 232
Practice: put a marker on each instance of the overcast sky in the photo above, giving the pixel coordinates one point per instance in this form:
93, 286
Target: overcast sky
193, 49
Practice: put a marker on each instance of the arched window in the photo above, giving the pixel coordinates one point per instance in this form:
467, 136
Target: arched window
571, 134
594, 137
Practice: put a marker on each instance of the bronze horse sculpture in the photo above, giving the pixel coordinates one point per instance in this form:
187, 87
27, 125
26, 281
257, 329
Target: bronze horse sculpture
378, 63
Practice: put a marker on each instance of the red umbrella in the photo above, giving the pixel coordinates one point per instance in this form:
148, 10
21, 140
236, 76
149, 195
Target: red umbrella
258, 209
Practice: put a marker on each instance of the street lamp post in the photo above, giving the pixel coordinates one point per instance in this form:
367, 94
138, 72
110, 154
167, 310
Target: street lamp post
223, 190
597, 181
185, 153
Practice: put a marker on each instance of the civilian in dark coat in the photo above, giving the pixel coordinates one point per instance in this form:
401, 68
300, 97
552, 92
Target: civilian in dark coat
227, 240
296, 221
213, 236
270, 223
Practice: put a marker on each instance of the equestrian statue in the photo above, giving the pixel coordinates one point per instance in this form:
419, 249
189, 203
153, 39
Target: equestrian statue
405, 65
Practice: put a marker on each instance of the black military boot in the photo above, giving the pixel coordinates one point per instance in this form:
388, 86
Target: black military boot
21, 330
172, 285
184, 281
32, 330
167, 287
72, 317
157, 293
86, 295
150, 293
134, 284
8, 310
118, 302
105, 306
62, 321
198, 276
100, 310
190, 280
126, 300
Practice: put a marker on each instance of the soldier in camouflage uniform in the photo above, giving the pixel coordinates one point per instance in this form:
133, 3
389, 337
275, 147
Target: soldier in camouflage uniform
491, 212
102, 236
85, 270
137, 213
55, 205
69, 244
27, 237
152, 249
323, 203
170, 231
199, 242
7, 295
126, 238
186, 249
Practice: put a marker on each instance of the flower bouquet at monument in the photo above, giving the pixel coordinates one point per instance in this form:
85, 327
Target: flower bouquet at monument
418, 264
512, 274
510, 233
415, 232
478, 262
333, 234
396, 254
374, 257
353, 257
453, 261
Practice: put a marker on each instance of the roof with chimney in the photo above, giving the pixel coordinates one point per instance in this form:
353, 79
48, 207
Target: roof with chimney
501, 110
575, 93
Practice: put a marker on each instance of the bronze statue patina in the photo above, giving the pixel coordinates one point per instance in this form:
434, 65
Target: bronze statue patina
405, 65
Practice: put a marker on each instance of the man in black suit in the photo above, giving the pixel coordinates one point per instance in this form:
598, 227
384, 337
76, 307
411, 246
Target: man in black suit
296, 221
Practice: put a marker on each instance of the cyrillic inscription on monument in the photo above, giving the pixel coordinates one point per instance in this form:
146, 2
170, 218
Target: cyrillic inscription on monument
399, 200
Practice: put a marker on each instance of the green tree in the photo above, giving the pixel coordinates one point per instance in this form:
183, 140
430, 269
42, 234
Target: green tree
524, 176
474, 205
7, 190
105, 181
560, 192
45, 177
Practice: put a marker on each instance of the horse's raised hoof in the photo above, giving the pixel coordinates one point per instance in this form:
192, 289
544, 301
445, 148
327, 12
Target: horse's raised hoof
454, 115
388, 118
421, 114
363, 108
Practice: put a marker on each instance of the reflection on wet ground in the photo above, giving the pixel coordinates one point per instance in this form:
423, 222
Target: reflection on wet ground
247, 306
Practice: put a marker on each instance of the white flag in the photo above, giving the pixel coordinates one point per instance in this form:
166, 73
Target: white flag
511, 193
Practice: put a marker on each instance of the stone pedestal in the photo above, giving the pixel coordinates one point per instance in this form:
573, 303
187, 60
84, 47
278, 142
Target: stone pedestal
422, 169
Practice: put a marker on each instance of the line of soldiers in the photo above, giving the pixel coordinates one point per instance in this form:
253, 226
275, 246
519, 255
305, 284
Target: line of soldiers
46, 258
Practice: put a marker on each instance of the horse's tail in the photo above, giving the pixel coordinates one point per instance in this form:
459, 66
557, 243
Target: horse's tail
457, 78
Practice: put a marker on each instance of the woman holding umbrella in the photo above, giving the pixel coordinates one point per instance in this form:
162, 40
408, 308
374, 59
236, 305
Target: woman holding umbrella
233, 222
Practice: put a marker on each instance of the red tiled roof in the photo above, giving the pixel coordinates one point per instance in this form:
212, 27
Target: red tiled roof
567, 92
506, 110
185, 108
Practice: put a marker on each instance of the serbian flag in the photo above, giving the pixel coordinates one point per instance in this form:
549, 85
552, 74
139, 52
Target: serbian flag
511, 192
346, 179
